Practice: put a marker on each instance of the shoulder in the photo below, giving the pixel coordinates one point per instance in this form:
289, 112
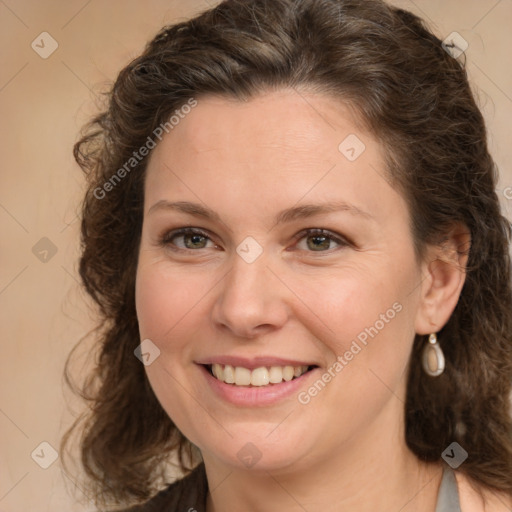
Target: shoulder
475, 497
185, 495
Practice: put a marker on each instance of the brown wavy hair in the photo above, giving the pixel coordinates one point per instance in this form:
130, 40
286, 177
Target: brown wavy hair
415, 98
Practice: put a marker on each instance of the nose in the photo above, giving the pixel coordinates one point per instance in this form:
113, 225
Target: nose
251, 300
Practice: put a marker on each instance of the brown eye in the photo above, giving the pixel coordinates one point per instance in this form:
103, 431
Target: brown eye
320, 240
192, 239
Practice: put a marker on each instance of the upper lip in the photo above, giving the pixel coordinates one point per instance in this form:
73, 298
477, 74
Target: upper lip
252, 363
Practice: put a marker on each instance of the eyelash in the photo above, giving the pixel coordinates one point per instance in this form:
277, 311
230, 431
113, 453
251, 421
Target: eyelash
166, 239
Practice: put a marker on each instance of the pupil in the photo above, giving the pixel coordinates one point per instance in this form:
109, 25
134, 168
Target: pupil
324, 240
194, 238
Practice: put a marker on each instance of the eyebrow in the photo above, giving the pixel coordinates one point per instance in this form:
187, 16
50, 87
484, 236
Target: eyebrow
288, 215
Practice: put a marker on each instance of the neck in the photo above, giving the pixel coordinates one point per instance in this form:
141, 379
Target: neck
374, 470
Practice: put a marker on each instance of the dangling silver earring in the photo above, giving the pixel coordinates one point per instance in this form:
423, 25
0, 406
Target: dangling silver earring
433, 357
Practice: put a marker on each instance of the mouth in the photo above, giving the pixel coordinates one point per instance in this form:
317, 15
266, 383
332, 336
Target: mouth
263, 376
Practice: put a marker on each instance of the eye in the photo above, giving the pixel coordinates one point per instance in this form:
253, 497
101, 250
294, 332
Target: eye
192, 239
319, 240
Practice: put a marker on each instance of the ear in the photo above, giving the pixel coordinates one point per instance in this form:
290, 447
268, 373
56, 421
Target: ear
443, 276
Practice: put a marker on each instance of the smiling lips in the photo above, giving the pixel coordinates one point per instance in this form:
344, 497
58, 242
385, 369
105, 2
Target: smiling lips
262, 381
261, 376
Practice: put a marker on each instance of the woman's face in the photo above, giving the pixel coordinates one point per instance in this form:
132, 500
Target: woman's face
253, 290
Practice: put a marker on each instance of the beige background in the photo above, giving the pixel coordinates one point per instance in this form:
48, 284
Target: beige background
43, 103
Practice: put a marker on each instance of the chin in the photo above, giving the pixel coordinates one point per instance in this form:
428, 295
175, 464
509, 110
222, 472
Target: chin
255, 450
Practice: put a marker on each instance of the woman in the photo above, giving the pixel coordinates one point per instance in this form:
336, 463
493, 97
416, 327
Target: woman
292, 233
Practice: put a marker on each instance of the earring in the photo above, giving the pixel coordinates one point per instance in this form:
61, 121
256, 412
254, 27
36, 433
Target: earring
433, 357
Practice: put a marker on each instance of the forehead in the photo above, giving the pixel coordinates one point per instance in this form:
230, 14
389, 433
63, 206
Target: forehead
274, 148
285, 118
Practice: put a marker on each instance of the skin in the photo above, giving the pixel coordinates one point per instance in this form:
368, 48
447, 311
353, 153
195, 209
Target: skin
247, 161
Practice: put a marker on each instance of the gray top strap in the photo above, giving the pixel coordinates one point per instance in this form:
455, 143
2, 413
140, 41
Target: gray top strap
448, 499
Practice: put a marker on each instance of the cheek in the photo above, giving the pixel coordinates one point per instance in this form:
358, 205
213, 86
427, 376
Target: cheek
345, 302
366, 316
166, 298
166, 304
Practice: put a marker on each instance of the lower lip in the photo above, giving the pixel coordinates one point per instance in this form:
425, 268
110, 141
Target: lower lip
255, 395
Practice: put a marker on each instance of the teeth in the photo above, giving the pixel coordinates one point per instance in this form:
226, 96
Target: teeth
288, 373
259, 377
240, 376
229, 374
275, 374
218, 371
